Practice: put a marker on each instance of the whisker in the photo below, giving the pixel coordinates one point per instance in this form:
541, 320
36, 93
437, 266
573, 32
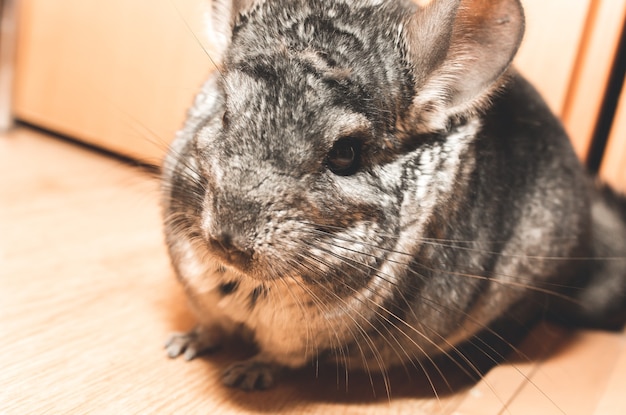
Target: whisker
197, 39
505, 283
495, 278
412, 359
322, 306
451, 243
466, 360
369, 341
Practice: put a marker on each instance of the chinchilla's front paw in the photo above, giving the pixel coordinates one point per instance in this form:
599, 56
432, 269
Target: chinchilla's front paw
251, 375
192, 344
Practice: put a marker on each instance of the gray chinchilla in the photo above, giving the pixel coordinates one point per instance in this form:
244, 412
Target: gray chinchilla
370, 182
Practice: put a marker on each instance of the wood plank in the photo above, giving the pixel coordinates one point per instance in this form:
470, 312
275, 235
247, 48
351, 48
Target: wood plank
613, 401
592, 72
504, 382
574, 378
549, 51
613, 168
567, 373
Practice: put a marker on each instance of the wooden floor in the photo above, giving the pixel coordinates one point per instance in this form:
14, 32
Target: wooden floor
87, 299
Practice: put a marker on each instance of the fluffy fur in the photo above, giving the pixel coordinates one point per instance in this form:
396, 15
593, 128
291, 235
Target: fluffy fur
370, 182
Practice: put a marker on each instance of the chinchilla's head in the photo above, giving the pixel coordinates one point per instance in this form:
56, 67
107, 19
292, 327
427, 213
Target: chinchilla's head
342, 126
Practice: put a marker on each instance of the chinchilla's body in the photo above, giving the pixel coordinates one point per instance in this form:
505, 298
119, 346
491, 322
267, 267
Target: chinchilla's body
369, 181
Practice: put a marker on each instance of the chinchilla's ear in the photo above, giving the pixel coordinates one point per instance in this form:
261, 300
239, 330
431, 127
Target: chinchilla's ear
459, 50
224, 16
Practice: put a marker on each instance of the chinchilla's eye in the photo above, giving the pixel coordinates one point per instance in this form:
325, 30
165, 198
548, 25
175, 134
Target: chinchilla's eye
344, 158
225, 119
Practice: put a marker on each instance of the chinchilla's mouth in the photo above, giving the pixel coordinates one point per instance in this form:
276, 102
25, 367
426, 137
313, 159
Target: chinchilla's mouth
247, 267
230, 255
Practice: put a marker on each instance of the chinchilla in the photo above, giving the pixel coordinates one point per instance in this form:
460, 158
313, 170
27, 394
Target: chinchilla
371, 182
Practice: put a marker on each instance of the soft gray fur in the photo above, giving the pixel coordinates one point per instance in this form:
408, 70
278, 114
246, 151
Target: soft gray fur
369, 181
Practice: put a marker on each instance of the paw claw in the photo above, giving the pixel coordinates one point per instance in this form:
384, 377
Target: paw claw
190, 345
250, 375
190, 353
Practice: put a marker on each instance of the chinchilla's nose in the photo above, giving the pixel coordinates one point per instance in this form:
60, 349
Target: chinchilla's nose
231, 220
231, 249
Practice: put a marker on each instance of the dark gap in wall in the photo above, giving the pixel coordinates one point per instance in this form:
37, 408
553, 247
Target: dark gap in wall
609, 106
126, 160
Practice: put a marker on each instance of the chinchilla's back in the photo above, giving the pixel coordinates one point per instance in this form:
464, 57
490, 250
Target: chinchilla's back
602, 303
561, 222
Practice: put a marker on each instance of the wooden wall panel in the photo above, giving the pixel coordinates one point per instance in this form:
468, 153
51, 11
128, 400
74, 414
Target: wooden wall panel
548, 55
118, 74
7, 55
592, 71
613, 168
